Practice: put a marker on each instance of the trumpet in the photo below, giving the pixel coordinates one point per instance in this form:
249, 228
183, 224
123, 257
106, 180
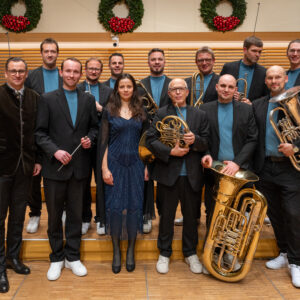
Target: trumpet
148, 101
244, 93
194, 101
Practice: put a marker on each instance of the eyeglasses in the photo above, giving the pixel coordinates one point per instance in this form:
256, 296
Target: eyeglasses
294, 51
201, 61
94, 70
14, 72
175, 89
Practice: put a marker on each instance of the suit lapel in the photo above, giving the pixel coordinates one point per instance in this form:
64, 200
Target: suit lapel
80, 106
62, 102
148, 85
164, 92
41, 80
215, 119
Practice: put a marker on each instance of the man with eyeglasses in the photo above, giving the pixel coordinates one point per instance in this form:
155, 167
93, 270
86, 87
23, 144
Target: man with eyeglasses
205, 60
179, 175
18, 161
116, 66
293, 54
248, 69
44, 79
101, 92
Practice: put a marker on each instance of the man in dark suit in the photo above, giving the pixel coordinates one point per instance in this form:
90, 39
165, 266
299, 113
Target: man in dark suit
18, 107
44, 79
67, 120
157, 86
249, 69
101, 92
179, 176
279, 180
205, 60
293, 54
233, 135
116, 66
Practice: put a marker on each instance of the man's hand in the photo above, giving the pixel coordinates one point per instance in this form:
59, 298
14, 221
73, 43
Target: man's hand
63, 156
231, 168
36, 169
177, 151
85, 142
286, 149
206, 161
99, 107
189, 138
247, 101
107, 177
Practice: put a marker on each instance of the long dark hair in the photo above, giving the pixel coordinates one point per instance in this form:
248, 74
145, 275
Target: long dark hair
135, 105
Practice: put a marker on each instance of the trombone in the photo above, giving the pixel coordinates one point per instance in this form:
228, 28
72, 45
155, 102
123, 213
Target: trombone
194, 101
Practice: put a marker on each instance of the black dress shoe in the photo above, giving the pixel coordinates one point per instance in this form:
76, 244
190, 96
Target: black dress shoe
17, 266
130, 268
4, 284
116, 269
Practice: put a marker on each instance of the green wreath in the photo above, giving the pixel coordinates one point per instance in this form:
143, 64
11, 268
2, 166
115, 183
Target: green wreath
220, 23
118, 25
22, 23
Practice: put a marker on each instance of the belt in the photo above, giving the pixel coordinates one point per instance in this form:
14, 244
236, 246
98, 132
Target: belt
277, 158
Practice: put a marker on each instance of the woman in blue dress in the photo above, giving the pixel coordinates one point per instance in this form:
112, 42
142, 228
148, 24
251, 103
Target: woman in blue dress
122, 171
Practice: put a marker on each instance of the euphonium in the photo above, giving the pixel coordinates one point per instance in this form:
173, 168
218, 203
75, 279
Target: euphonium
148, 101
244, 93
232, 233
194, 101
288, 128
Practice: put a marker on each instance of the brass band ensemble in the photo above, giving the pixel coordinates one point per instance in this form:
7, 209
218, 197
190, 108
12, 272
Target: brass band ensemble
230, 139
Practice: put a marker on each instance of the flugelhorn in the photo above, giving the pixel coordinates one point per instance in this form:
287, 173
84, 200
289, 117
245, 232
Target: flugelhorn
288, 128
233, 235
244, 93
148, 101
194, 101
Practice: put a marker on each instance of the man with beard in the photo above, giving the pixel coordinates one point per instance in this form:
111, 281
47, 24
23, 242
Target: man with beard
293, 54
205, 60
249, 69
157, 86
116, 65
101, 92
279, 181
44, 79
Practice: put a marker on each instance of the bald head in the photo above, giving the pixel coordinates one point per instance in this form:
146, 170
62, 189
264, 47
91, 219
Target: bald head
275, 80
178, 91
226, 87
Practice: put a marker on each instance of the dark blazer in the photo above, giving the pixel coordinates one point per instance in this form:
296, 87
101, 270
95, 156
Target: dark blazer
167, 168
13, 117
210, 93
35, 80
258, 88
55, 131
164, 97
244, 132
107, 82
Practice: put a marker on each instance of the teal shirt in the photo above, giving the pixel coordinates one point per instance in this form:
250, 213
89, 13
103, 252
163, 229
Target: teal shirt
244, 69
157, 84
292, 76
50, 80
93, 89
207, 79
72, 100
112, 83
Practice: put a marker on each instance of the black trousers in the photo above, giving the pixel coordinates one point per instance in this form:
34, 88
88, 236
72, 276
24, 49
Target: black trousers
70, 193
280, 184
35, 199
14, 192
169, 197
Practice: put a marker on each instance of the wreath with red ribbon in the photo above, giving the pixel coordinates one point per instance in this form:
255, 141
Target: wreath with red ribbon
220, 23
118, 25
21, 23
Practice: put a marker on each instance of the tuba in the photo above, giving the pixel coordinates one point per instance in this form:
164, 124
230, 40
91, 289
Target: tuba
148, 101
231, 231
244, 93
194, 101
288, 128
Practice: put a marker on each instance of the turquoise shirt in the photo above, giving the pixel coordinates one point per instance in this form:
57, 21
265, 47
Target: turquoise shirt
225, 119
93, 89
245, 69
50, 80
157, 84
207, 79
72, 100
292, 76
112, 83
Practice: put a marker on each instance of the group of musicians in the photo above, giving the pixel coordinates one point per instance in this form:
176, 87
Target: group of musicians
49, 125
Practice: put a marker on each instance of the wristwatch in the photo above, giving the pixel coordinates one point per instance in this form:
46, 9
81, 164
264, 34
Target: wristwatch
295, 149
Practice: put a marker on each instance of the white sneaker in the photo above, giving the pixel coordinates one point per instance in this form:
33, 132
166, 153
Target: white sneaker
63, 218
33, 224
147, 226
194, 263
267, 221
204, 270
162, 265
85, 227
100, 229
77, 267
55, 270
295, 273
277, 263
228, 259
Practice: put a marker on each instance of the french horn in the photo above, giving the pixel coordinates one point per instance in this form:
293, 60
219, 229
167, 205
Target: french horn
235, 225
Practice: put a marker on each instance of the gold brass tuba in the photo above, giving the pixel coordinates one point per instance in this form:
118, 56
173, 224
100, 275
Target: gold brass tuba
148, 101
288, 128
193, 101
232, 233
244, 94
